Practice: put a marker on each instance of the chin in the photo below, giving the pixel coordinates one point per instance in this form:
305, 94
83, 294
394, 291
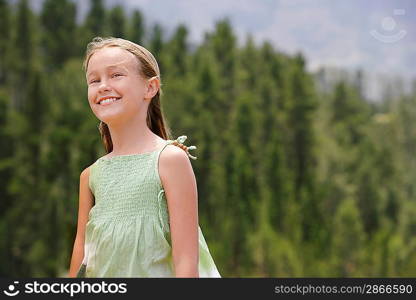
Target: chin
115, 119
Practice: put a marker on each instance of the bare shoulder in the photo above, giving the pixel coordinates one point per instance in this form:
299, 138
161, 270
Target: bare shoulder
173, 161
85, 174
173, 155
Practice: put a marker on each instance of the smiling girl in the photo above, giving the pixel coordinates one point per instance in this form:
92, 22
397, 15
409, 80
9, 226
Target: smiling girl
138, 204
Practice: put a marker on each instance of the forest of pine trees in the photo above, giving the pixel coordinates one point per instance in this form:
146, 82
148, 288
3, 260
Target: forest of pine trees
293, 180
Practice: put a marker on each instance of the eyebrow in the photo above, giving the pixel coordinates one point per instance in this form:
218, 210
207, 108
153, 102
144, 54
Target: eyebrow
109, 67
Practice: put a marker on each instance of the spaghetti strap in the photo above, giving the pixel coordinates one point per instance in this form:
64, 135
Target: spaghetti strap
181, 139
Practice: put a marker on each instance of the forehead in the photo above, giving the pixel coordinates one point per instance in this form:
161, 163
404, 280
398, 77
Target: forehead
111, 57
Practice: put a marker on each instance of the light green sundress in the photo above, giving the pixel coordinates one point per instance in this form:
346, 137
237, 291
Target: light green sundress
128, 233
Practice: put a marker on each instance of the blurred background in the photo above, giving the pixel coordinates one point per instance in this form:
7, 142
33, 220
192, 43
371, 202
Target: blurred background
303, 114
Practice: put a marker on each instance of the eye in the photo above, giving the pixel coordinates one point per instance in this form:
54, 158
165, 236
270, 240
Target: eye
93, 81
116, 75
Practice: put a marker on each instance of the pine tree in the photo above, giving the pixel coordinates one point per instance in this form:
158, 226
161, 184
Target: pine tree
137, 28
303, 142
348, 240
178, 51
22, 61
156, 44
243, 183
350, 113
96, 18
204, 106
58, 20
116, 20
5, 35
224, 47
28, 249
222, 42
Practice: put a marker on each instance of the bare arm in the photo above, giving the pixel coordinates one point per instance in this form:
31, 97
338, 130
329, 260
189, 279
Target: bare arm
180, 187
86, 201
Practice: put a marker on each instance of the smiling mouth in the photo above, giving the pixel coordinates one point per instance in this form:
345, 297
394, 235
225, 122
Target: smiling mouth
108, 101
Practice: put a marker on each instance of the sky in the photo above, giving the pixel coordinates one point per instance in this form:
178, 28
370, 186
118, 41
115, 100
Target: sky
377, 36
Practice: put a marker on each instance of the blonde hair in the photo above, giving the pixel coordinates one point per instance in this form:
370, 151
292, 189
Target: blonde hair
148, 68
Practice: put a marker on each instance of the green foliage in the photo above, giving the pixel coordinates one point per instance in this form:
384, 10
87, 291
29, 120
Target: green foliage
96, 17
137, 28
348, 240
116, 22
293, 180
59, 39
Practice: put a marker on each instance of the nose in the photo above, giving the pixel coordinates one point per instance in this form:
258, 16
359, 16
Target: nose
103, 87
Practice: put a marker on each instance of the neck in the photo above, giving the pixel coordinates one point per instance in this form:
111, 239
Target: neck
133, 136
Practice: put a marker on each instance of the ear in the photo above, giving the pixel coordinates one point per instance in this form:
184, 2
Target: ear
153, 85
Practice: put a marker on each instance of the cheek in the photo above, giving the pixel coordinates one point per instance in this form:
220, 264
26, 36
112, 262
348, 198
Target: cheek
130, 90
91, 94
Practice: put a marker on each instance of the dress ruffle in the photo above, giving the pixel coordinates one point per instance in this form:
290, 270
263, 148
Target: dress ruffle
118, 252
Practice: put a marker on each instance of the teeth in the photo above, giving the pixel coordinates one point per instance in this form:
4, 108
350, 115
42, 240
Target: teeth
109, 100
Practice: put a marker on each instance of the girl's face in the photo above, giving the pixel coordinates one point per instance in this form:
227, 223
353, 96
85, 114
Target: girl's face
113, 73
